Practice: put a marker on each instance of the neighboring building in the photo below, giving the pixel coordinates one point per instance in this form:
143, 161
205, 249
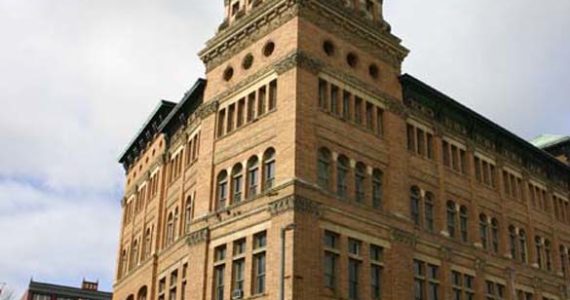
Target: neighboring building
307, 146
47, 291
557, 145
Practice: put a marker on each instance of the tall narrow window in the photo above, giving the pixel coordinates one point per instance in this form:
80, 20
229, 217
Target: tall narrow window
451, 219
323, 94
231, 118
376, 269
342, 174
415, 199
252, 176
483, 231
219, 282
241, 113
251, 107
411, 137
169, 230
221, 120
261, 101
369, 116
272, 95
237, 183
523, 246
346, 98
147, 244
380, 122
135, 254
548, 254
335, 108
429, 212
360, 179
259, 273
513, 242
188, 214
353, 279
222, 189
463, 223
331, 259
495, 235
269, 169
324, 168
426, 281
358, 110
238, 272
377, 188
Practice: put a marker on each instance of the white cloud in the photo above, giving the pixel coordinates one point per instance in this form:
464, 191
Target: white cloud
78, 77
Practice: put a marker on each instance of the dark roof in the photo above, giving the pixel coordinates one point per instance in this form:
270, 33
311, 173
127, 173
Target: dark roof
546, 141
66, 291
188, 105
166, 118
444, 106
146, 132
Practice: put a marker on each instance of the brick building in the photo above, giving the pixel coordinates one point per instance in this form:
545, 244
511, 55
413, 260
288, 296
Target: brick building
47, 291
306, 166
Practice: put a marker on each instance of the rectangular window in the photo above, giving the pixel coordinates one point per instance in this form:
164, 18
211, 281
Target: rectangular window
231, 117
462, 286
261, 101
220, 253
238, 269
495, 291
446, 154
379, 122
330, 269
346, 105
240, 112
323, 91
335, 109
420, 139
429, 145
411, 138
358, 110
331, 240
259, 273
353, 279
221, 120
251, 107
239, 247
369, 116
354, 247
219, 282
272, 95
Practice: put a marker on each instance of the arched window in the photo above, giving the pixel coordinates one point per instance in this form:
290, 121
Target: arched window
415, 197
463, 223
538, 244
548, 254
451, 219
377, 188
429, 212
342, 174
237, 183
324, 168
188, 214
169, 229
176, 224
131, 297
134, 254
495, 235
147, 243
483, 231
143, 293
268, 169
222, 189
252, 176
513, 242
523, 246
359, 180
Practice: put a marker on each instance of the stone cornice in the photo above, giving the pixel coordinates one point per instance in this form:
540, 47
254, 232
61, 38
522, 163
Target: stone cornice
297, 204
373, 37
198, 237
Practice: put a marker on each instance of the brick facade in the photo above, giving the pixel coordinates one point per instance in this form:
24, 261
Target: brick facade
306, 119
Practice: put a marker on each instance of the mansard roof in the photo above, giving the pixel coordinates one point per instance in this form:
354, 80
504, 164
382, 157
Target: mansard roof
165, 118
446, 111
146, 133
186, 107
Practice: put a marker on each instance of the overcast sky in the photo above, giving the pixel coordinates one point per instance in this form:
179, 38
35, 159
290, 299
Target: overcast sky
78, 78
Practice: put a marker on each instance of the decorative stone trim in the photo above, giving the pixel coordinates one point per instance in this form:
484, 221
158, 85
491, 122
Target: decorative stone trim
480, 264
299, 59
297, 204
207, 109
404, 237
198, 237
